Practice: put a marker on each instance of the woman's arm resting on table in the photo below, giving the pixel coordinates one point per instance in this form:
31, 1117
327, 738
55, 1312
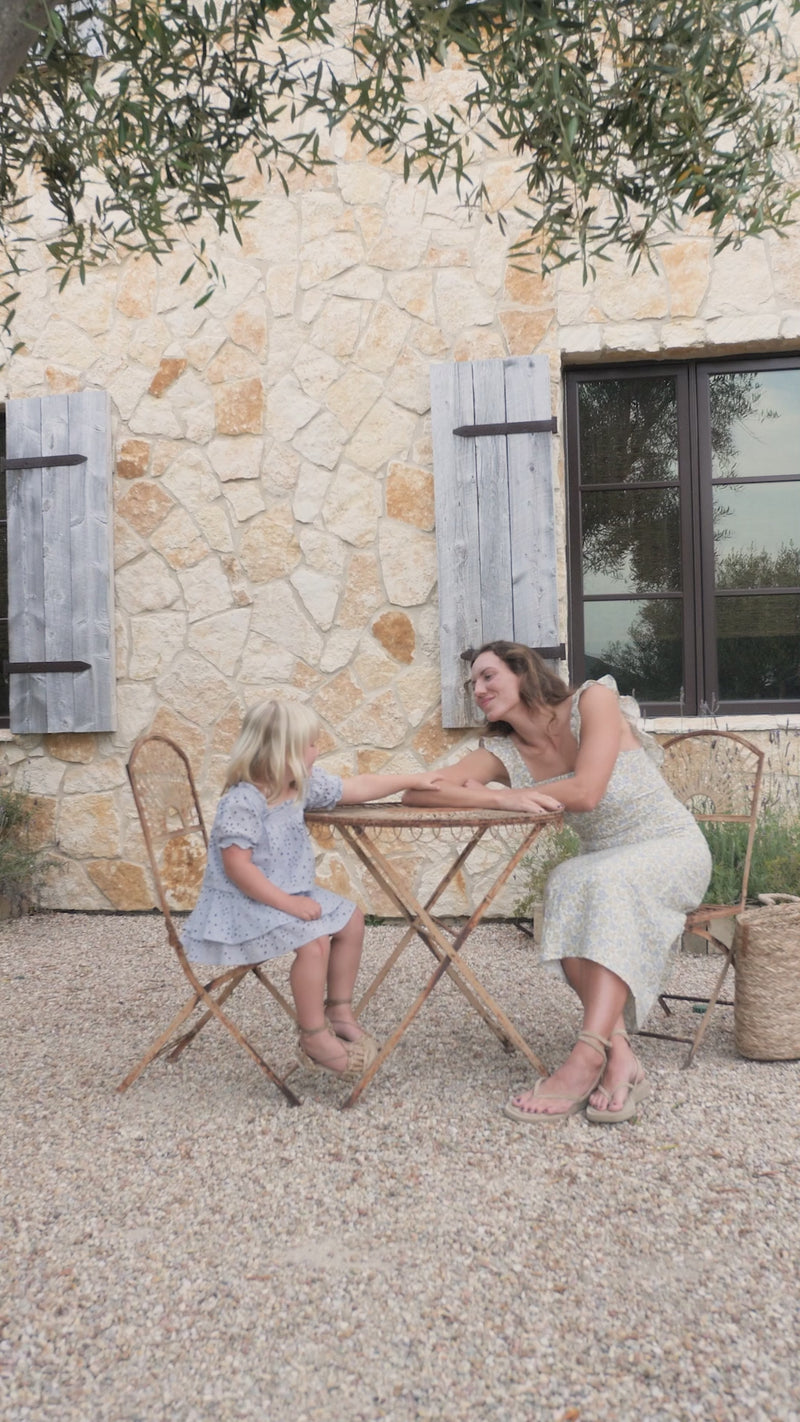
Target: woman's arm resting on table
466, 784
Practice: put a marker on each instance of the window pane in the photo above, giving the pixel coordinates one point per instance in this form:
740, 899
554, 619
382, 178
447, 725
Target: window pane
755, 424
628, 430
631, 541
638, 643
757, 535
758, 648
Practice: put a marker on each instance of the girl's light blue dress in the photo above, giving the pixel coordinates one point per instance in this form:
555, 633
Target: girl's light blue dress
226, 927
643, 864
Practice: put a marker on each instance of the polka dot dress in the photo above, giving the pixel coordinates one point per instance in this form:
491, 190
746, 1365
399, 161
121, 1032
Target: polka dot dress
226, 927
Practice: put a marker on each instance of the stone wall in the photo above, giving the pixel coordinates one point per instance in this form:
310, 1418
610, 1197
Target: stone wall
274, 484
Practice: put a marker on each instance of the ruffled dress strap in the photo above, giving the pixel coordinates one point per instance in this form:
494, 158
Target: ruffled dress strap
630, 710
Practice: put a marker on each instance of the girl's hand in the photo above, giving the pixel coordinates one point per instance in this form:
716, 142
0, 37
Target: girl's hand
429, 780
304, 907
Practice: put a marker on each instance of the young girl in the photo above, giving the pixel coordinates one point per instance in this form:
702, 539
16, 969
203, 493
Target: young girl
258, 898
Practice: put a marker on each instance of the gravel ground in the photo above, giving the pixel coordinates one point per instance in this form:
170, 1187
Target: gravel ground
195, 1249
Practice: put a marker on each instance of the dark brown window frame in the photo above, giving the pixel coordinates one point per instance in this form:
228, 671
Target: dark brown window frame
696, 488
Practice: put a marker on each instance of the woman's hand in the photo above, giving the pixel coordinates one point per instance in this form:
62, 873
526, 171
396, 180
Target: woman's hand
528, 799
300, 906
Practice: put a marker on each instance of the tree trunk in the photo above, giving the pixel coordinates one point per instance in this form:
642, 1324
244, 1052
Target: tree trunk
20, 22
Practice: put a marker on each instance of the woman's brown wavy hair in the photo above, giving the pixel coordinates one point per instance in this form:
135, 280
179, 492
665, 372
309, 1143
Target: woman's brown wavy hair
538, 685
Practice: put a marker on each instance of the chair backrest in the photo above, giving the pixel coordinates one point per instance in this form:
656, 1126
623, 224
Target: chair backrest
171, 819
717, 775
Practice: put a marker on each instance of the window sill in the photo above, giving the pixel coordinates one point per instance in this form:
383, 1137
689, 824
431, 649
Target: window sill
673, 725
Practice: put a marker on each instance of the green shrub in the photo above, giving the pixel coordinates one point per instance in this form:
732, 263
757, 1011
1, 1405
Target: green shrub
774, 866
23, 866
534, 869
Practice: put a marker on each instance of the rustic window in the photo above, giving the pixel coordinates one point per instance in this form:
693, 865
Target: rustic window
60, 585
684, 532
492, 430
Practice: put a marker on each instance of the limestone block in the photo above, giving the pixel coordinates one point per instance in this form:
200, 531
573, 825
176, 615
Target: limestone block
199, 421
319, 593
288, 409
686, 264
741, 282
323, 551
362, 282
238, 458
67, 746
214, 524
156, 640
124, 885
169, 370
178, 540
399, 251
132, 459
408, 562
277, 617
226, 730
432, 742
248, 328
682, 335
205, 344
740, 330
281, 288
191, 740
121, 646
89, 304
526, 285
42, 824
264, 662
383, 339
782, 256
430, 341
339, 648
190, 481
321, 441
245, 499
316, 371
395, 632
68, 886
321, 214
135, 706
410, 382
626, 295
146, 585
384, 433
409, 495
337, 327
460, 302
106, 774
525, 330
165, 452
352, 396
232, 362
579, 339
239, 407
144, 506
631, 336
127, 544
280, 467
363, 592
352, 505
60, 382
234, 572
306, 679
221, 638
286, 338
206, 588
127, 387
338, 698
42, 776
89, 825
374, 669
378, 722
148, 341
362, 183
370, 762
136, 289
419, 689
268, 548
328, 256
63, 342
312, 484
195, 690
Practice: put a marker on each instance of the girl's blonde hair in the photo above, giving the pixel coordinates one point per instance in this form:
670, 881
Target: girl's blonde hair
270, 747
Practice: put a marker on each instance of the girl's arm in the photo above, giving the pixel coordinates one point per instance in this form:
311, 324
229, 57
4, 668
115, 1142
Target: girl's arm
358, 788
467, 784
240, 869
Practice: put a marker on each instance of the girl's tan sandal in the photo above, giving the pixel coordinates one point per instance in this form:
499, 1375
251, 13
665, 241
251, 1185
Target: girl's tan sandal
574, 1104
336, 1023
358, 1055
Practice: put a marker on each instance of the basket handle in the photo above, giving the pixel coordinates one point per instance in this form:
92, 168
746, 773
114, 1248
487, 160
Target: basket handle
771, 899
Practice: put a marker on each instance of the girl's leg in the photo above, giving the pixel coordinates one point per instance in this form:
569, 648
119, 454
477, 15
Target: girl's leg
307, 977
346, 947
603, 997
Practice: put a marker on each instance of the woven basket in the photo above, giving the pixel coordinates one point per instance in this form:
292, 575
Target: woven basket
767, 984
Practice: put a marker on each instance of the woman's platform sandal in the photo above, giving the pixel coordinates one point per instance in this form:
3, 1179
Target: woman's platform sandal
358, 1055
637, 1089
574, 1104
337, 1024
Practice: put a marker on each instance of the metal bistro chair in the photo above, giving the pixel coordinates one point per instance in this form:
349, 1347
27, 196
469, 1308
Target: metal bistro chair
717, 775
175, 835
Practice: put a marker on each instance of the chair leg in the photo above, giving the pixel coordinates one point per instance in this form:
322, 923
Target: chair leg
183, 1042
161, 1042
712, 1003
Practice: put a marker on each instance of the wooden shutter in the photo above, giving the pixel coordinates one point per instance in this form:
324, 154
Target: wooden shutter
495, 514
60, 579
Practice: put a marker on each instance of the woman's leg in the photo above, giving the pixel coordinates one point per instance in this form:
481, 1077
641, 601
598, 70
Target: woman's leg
603, 997
307, 977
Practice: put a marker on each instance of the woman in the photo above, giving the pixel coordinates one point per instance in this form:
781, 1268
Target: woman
613, 913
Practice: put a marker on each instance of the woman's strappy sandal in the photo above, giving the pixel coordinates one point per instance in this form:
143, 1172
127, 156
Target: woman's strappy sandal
358, 1055
575, 1104
636, 1089
337, 1023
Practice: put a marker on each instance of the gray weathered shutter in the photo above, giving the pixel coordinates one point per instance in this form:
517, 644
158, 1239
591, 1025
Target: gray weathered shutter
495, 514
60, 576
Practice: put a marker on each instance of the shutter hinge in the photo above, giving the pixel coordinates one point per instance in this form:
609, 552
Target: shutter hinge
40, 461
29, 668
514, 427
